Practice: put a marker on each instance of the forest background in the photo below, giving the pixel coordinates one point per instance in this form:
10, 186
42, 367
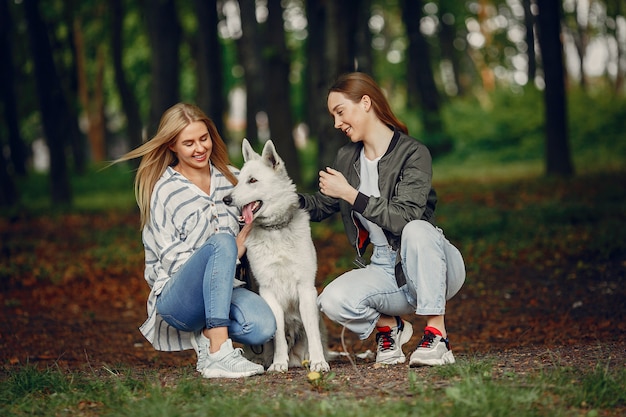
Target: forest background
85, 81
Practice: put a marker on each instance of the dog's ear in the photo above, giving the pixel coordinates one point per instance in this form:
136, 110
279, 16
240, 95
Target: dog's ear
270, 156
247, 151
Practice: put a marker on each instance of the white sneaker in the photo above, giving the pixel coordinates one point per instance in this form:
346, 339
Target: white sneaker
431, 350
389, 342
201, 345
229, 362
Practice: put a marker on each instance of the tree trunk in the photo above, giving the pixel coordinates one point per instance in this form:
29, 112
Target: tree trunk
129, 100
529, 22
449, 54
319, 77
363, 38
67, 72
278, 93
91, 96
52, 102
249, 49
421, 80
209, 61
420, 75
164, 33
581, 39
615, 9
558, 159
8, 192
18, 149
340, 25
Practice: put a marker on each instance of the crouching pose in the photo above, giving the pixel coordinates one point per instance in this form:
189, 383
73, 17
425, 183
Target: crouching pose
381, 184
192, 246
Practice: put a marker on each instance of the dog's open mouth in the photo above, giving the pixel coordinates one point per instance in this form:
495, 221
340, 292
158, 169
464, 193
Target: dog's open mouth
247, 212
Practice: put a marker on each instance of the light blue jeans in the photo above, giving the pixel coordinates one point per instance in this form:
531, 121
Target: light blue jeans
201, 294
434, 271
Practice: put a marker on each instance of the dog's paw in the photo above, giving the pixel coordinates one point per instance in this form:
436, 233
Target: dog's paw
278, 367
321, 366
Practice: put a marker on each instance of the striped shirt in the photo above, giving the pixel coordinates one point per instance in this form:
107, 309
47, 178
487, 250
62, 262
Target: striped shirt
182, 218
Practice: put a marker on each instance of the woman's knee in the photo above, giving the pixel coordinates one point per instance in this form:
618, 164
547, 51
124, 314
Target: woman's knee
221, 246
265, 328
254, 321
255, 331
455, 270
418, 231
331, 300
224, 242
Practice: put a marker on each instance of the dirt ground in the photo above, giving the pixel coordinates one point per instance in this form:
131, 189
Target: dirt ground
515, 316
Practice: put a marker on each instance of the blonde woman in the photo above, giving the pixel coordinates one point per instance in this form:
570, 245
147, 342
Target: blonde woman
192, 247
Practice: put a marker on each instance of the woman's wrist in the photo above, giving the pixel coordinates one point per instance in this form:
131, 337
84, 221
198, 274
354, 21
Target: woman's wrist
351, 196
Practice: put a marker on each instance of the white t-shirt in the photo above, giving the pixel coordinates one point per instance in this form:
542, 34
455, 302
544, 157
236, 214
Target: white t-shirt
369, 187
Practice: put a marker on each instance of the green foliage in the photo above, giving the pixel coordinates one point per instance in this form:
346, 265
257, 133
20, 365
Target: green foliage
494, 137
500, 136
505, 125
597, 127
98, 189
514, 122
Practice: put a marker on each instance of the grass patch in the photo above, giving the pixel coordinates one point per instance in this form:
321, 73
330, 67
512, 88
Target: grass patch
598, 388
469, 388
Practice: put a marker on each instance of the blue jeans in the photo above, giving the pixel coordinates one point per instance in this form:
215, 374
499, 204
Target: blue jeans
434, 271
201, 294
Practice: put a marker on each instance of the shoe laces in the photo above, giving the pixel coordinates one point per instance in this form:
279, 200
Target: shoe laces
384, 339
202, 350
232, 358
427, 339
203, 354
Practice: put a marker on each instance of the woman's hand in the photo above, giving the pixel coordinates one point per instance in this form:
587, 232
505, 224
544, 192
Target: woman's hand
241, 239
334, 184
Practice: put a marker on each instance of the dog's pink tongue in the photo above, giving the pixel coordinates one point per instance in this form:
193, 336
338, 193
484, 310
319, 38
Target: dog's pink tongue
246, 212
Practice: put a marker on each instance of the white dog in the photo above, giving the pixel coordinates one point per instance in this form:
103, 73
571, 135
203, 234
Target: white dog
282, 257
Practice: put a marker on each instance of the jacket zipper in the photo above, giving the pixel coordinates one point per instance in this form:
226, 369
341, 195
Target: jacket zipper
359, 260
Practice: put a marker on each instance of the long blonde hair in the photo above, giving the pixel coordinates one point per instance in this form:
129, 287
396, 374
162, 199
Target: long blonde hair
156, 154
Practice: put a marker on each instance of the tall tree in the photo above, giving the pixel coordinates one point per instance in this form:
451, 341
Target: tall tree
128, 98
164, 32
558, 158
421, 80
615, 9
577, 25
209, 62
250, 56
529, 22
279, 107
340, 22
8, 192
363, 38
52, 102
447, 36
67, 64
91, 94
7, 92
318, 78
